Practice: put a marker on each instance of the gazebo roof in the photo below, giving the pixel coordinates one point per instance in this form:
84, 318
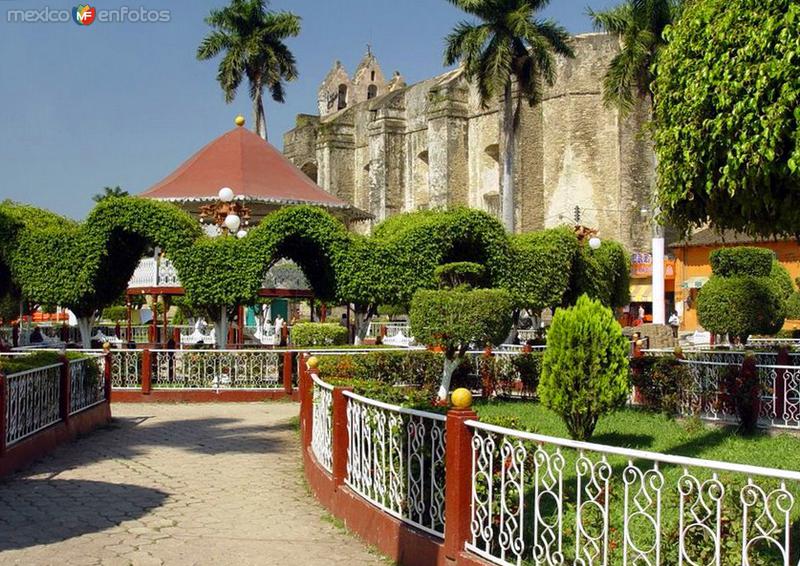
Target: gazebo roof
249, 165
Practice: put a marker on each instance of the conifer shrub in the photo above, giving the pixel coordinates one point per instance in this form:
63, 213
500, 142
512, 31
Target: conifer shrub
585, 366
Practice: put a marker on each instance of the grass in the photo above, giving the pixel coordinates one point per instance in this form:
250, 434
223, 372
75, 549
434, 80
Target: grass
644, 430
641, 429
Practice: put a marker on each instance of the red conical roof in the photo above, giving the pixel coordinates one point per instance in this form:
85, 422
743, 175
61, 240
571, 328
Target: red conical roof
246, 163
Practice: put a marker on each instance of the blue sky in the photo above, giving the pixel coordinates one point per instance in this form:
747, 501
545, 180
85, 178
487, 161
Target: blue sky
82, 107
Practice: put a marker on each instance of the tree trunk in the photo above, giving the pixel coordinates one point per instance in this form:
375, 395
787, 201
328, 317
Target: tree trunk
450, 367
221, 328
85, 328
509, 128
363, 315
260, 119
512, 333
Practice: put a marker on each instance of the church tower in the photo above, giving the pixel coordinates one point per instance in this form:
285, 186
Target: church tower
336, 91
368, 80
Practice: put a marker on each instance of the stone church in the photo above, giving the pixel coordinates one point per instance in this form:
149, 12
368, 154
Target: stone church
388, 147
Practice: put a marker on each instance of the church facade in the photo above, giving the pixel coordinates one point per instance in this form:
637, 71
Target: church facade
387, 147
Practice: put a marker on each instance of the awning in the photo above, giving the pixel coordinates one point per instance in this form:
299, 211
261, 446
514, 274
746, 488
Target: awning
694, 282
641, 291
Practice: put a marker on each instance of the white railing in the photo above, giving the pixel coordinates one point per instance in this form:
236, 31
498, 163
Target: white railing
32, 401
322, 423
216, 369
708, 397
87, 386
388, 329
126, 369
545, 500
395, 460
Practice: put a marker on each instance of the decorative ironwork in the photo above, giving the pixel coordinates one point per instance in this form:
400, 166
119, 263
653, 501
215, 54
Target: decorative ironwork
322, 425
216, 369
87, 387
32, 401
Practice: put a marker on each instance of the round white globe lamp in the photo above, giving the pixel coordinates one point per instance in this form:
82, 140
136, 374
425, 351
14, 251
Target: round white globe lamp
232, 222
225, 194
241, 234
594, 242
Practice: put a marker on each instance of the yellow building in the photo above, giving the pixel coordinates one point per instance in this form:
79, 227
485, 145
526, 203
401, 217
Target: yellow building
692, 266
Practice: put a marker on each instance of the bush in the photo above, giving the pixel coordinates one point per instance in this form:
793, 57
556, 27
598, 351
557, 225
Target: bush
115, 313
742, 260
740, 306
793, 307
743, 391
585, 366
419, 368
318, 334
781, 279
452, 275
660, 382
455, 319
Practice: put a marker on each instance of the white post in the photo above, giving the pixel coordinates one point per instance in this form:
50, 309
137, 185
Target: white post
658, 277
156, 253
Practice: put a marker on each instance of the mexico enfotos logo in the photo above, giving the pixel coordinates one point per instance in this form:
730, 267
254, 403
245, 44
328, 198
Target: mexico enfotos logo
85, 15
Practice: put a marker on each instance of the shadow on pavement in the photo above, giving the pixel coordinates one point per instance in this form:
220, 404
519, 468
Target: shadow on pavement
43, 511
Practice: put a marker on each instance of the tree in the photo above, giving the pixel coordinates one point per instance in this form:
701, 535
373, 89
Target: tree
252, 39
640, 26
110, 192
507, 47
585, 366
456, 319
745, 295
727, 117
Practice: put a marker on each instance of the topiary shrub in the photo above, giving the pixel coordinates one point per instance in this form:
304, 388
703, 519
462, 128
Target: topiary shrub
460, 273
742, 260
318, 334
746, 294
585, 366
793, 307
419, 368
457, 319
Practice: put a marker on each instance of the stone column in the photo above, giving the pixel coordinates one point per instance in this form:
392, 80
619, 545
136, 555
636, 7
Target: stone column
335, 158
447, 146
387, 162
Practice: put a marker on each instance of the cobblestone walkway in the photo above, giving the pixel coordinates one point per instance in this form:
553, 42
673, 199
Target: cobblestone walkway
174, 484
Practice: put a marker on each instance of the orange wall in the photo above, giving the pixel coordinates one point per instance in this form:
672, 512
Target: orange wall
692, 261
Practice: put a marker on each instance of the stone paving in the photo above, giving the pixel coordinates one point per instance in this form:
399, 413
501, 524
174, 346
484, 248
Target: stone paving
174, 484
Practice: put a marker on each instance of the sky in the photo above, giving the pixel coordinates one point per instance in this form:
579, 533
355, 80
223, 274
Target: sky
83, 107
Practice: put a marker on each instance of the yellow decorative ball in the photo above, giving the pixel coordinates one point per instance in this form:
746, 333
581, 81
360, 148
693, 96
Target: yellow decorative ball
312, 362
239, 121
461, 398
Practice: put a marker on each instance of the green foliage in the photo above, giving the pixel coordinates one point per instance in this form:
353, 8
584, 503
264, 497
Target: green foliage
793, 306
782, 280
543, 263
110, 192
454, 319
602, 274
16, 364
318, 334
660, 381
727, 117
740, 306
640, 28
460, 273
743, 391
115, 313
741, 260
585, 366
418, 368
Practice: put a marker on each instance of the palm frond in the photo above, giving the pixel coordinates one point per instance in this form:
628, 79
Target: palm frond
466, 40
212, 45
281, 25
615, 20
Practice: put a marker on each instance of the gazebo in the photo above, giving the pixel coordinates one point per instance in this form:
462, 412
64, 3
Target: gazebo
262, 180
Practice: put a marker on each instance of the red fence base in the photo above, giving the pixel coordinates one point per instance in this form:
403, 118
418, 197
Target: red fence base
198, 395
401, 542
42, 443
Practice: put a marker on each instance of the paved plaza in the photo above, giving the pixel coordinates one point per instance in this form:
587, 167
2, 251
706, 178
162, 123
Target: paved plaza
174, 484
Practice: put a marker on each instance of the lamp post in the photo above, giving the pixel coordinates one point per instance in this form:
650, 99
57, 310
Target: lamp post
228, 214
657, 285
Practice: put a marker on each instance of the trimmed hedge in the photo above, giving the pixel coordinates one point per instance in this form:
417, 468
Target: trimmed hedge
742, 260
318, 334
740, 306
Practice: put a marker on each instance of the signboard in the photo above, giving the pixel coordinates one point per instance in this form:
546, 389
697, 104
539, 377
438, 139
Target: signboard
642, 266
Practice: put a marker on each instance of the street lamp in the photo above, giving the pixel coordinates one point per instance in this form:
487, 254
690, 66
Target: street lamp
657, 285
227, 214
595, 243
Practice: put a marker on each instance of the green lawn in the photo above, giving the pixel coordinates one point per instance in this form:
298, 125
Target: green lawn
644, 430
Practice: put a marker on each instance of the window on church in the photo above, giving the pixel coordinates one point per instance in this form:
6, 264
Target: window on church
342, 97
372, 91
372, 76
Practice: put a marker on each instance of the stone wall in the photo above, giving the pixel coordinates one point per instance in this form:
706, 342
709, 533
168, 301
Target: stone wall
434, 145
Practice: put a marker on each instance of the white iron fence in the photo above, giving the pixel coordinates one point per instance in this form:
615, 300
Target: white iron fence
32, 401
87, 386
708, 395
216, 369
396, 460
322, 423
544, 500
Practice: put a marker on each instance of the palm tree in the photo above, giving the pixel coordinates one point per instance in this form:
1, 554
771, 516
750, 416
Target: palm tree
252, 39
507, 44
640, 26
110, 192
